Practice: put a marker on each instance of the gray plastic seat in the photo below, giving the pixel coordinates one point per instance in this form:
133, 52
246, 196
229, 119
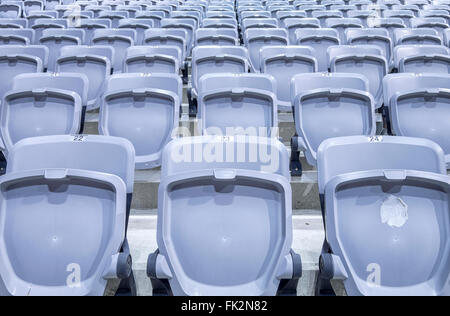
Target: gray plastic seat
255, 39
445, 14
323, 16
422, 58
330, 105
259, 23
120, 39
374, 36
139, 25
96, 9
53, 237
418, 105
217, 59
155, 16
365, 60
320, 40
292, 25
51, 4
164, 8
10, 11
292, 14
171, 37
309, 8
114, 17
36, 15
423, 36
219, 23
220, 14
405, 15
143, 109
237, 104
16, 36
364, 16
283, 63
32, 5
343, 24
184, 12
29, 111
153, 59
438, 24
390, 24
90, 25
75, 16
92, 61
16, 60
43, 24
216, 37
13, 23
393, 199
187, 24
254, 15
131, 9
225, 227
54, 43
344, 8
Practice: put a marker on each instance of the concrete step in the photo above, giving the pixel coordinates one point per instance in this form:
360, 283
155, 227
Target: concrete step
308, 238
305, 194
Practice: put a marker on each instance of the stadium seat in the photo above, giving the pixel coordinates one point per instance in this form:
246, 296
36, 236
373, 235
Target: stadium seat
344, 8
231, 104
216, 37
390, 24
217, 59
292, 25
92, 61
51, 4
364, 16
16, 60
35, 15
254, 15
16, 36
188, 14
29, 111
367, 60
120, 39
114, 17
343, 24
54, 44
90, 25
43, 24
131, 9
310, 8
294, 14
54, 240
445, 14
418, 106
219, 23
171, 37
32, 5
378, 190
155, 16
424, 36
187, 24
371, 36
97, 9
320, 40
164, 8
153, 60
226, 227
255, 39
327, 106
75, 16
283, 63
264, 23
405, 15
10, 11
18, 23
438, 24
220, 15
144, 110
323, 16
139, 25
422, 59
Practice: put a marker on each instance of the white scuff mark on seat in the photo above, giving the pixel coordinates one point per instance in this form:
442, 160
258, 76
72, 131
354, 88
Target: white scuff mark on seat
394, 212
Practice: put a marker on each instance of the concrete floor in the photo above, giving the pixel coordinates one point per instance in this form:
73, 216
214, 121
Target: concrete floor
307, 241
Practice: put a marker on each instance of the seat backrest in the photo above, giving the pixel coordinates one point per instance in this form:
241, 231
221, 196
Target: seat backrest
219, 23
163, 59
154, 16
13, 23
90, 25
337, 156
371, 36
78, 33
295, 14
294, 24
259, 23
255, 39
111, 155
342, 24
283, 63
323, 16
150, 104
213, 36
191, 151
439, 24
10, 10
64, 81
167, 36
140, 25
39, 51
218, 59
422, 36
405, 15
7, 35
416, 58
